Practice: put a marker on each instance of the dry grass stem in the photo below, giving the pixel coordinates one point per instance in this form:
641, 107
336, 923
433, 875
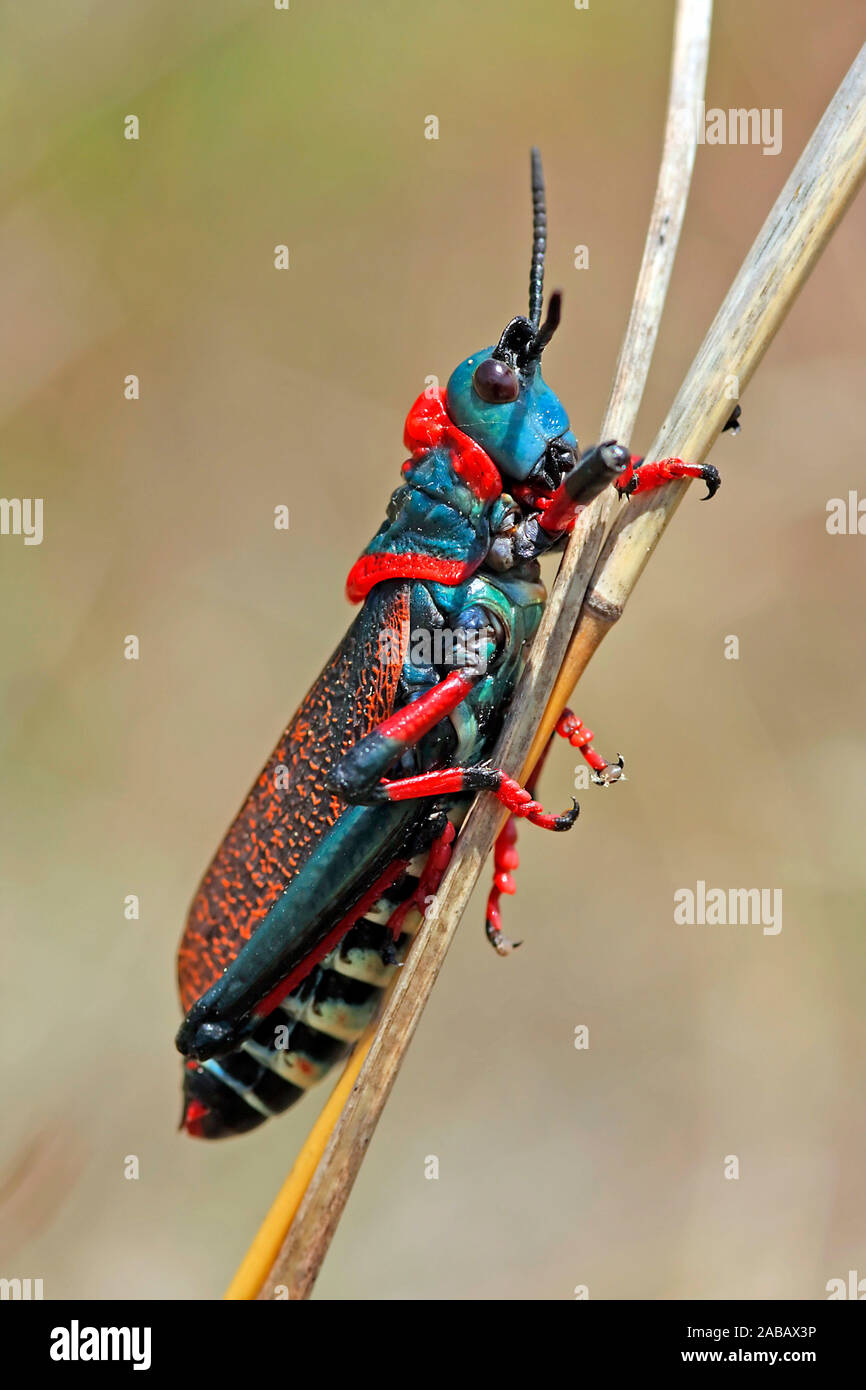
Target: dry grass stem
300, 1258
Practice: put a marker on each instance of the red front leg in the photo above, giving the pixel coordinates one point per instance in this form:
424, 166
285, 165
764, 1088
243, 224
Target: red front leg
357, 776
643, 477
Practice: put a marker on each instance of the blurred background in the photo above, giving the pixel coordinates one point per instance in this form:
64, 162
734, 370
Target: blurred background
558, 1167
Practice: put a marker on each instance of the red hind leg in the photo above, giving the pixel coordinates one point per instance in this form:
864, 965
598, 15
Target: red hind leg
604, 774
505, 860
505, 856
428, 884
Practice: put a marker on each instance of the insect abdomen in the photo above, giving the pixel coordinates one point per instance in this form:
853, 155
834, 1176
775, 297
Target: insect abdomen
313, 1028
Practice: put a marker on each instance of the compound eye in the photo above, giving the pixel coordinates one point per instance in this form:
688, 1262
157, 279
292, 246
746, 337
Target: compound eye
495, 382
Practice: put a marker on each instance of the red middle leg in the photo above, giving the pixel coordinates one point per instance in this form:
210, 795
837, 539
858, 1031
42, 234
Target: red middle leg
516, 798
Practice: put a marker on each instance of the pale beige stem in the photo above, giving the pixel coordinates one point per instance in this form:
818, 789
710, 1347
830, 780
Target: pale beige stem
810, 206
309, 1237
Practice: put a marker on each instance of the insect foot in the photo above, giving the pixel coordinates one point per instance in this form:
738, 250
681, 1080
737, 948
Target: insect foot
604, 774
502, 944
609, 775
713, 479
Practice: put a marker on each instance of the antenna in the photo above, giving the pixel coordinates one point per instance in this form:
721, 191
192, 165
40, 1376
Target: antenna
539, 241
548, 328
523, 340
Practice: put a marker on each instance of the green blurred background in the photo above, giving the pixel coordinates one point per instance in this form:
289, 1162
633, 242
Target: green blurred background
558, 1167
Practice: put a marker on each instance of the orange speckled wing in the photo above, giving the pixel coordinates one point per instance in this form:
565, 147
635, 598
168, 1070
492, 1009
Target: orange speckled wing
284, 817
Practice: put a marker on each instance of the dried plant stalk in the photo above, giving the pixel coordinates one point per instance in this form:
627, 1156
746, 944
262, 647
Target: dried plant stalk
300, 1258
804, 216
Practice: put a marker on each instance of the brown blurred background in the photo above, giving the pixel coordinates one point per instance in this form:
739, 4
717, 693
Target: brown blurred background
557, 1167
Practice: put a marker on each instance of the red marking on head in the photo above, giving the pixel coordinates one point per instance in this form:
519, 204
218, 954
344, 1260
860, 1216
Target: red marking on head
428, 424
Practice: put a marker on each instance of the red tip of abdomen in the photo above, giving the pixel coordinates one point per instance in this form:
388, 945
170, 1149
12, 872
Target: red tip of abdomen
193, 1116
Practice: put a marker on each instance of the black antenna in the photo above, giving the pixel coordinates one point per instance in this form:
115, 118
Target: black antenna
548, 328
523, 340
539, 241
